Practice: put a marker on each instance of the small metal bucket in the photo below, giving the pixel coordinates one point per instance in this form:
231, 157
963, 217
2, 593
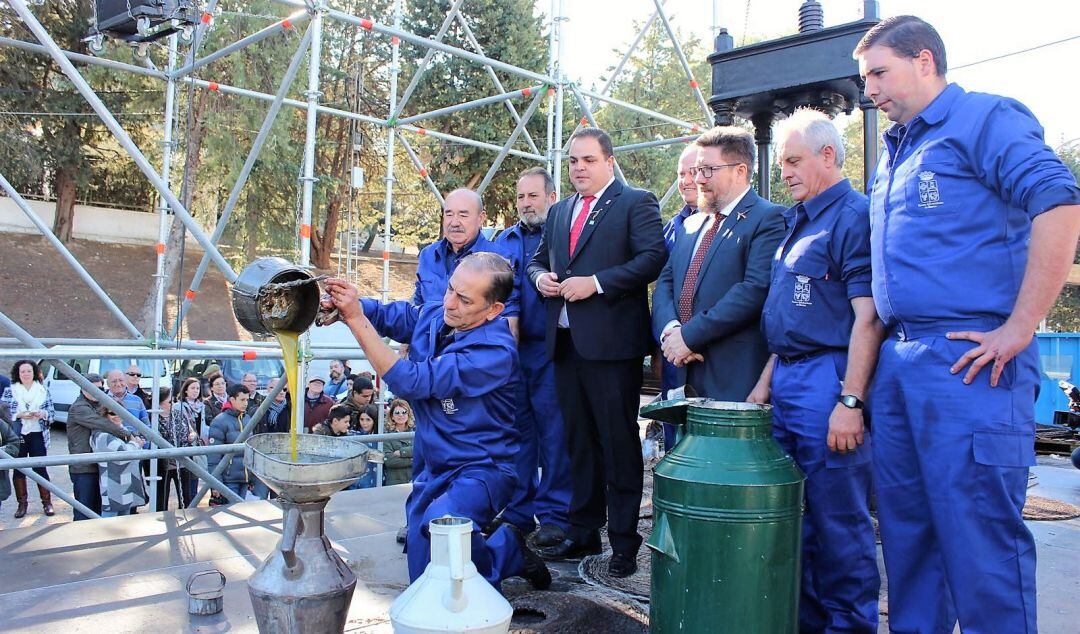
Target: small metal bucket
206, 601
272, 294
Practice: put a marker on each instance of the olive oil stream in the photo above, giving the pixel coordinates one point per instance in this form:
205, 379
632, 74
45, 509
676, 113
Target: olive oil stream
289, 342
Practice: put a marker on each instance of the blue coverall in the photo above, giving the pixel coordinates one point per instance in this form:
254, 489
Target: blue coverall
951, 208
463, 396
434, 266
823, 264
539, 420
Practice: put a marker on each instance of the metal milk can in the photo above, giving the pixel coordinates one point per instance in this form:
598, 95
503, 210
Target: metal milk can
451, 596
272, 294
727, 508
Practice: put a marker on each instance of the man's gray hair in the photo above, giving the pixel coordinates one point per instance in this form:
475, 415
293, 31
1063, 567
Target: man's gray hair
817, 132
500, 269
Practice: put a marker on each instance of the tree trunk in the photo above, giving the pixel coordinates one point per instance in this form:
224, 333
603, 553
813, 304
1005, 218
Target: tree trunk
65, 204
322, 240
177, 231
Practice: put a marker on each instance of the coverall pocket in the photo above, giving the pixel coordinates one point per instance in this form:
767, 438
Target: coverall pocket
999, 447
859, 457
932, 189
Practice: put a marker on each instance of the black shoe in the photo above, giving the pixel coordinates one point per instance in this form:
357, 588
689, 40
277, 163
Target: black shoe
621, 566
549, 535
569, 549
401, 533
535, 570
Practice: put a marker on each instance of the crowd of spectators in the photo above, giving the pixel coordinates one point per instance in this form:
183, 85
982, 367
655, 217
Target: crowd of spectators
204, 411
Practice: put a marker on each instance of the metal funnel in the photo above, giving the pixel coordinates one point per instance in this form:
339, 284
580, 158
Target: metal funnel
324, 464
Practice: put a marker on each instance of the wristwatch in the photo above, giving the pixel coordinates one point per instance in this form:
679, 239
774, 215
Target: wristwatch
850, 401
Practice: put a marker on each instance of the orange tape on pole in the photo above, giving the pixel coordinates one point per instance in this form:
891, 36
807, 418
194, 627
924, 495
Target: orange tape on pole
160, 248
206, 18
423, 172
213, 85
190, 295
200, 341
386, 255
551, 92
421, 131
395, 40
305, 231
693, 83
525, 92
584, 122
250, 355
367, 24
285, 24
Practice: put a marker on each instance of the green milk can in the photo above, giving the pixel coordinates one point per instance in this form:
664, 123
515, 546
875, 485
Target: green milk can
727, 522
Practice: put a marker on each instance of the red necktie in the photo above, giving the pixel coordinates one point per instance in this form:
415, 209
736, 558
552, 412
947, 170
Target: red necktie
686, 298
579, 223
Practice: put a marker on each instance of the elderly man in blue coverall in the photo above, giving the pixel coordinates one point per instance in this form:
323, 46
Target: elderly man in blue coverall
539, 420
823, 335
974, 224
462, 386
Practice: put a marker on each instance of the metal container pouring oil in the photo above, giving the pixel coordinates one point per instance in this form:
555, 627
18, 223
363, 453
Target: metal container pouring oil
727, 509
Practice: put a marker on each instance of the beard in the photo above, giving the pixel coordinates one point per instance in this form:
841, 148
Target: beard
534, 221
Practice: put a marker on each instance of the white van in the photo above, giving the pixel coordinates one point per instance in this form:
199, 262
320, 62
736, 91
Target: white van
64, 391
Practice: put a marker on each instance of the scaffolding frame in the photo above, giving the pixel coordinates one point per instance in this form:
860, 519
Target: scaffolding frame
310, 14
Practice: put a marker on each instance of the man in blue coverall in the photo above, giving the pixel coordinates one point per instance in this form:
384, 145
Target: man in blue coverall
539, 420
823, 334
974, 224
461, 383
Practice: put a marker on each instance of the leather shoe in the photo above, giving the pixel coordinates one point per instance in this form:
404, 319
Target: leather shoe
569, 549
535, 571
621, 566
549, 535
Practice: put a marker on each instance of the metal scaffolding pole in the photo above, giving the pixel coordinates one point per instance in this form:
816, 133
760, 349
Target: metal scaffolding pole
657, 143
104, 399
69, 258
84, 59
638, 109
388, 205
423, 170
470, 142
166, 353
471, 39
292, 103
670, 190
42, 482
280, 26
245, 171
412, 38
421, 68
556, 149
682, 60
585, 110
308, 181
476, 103
62, 460
509, 142
550, 148
159, 269
121, 135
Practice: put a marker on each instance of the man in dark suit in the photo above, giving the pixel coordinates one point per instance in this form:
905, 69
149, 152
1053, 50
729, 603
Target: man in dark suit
601, 249
708, 300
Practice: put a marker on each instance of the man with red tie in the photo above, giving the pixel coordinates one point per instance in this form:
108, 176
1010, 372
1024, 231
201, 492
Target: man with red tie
601, 248
708, 300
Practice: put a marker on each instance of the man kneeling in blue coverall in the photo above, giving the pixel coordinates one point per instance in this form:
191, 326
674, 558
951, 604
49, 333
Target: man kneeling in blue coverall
461, 382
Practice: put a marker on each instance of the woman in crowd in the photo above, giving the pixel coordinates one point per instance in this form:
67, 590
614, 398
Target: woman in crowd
177, 431
191, 409
368, 419
10, 442
31, 411
397, 465
274, 421
218, 397
121, 482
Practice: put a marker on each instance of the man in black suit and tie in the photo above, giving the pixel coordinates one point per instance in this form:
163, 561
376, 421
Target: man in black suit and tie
708, 300
601, 249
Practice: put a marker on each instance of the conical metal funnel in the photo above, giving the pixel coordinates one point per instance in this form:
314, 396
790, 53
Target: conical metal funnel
324, 464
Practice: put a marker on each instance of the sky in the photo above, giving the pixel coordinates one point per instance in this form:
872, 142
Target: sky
972, 30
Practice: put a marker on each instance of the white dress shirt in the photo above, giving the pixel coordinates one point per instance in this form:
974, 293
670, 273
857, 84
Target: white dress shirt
564, 321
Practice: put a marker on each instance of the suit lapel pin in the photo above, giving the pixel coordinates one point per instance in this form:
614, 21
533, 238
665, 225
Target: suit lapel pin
742, 215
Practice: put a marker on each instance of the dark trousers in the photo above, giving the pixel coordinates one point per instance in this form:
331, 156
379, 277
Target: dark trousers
599, 400
87, 490
33, 445
177, 478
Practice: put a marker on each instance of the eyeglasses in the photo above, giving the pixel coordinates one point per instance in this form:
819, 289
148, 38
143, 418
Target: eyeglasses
134, 374
400, 411
707, 170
